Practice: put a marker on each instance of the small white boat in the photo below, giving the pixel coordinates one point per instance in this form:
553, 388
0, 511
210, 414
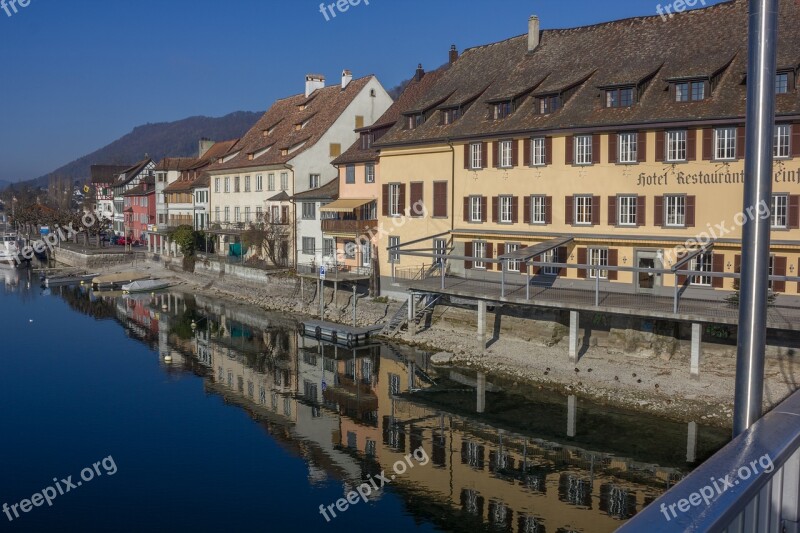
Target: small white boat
111, 281
9, 250
146, 285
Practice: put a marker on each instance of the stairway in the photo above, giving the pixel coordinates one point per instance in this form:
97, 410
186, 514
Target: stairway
400, 318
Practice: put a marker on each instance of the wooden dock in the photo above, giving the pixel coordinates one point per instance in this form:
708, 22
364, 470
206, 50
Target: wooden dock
336, 333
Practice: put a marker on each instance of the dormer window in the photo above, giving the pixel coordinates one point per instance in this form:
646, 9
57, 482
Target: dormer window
366, 140
690, 91
548, 104
451, 115
784, 82
502, 109
415, 120
619, 97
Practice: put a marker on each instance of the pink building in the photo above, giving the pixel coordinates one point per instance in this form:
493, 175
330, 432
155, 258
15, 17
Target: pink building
140, 210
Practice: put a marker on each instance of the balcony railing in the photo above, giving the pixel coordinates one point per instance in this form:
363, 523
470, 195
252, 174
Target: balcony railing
354, 227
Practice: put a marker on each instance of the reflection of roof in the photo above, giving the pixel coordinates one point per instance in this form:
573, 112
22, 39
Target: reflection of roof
325, 192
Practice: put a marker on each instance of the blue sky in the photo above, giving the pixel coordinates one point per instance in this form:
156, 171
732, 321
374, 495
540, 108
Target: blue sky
78, 74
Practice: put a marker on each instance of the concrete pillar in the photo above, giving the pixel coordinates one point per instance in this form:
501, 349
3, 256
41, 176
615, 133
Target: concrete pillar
481, 393
412, 311
697, 347
572, 408
691, 443
482, 324
573, 336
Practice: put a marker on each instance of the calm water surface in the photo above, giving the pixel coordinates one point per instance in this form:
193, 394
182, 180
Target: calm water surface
239, 423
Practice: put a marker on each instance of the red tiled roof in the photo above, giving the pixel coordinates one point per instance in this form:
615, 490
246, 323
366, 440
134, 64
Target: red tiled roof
192, 168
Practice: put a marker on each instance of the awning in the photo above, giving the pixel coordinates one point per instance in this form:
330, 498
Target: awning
344, 205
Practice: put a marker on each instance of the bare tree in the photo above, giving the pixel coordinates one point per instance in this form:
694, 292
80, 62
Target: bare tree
270, 238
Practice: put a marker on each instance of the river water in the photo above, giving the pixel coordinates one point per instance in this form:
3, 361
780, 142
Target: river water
236, 422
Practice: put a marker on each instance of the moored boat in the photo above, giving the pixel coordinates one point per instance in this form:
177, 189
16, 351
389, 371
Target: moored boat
72, 279
147, 285
118, 279
9, 250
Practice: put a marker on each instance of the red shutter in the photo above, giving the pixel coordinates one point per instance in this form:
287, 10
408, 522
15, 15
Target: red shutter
526, 210
490, 255
596, 148
495, 154
740, 142
523, 267
641, 211
595, 210
515, 209
402, 202
612, 210
483, 209
569, 211
691, 144
613, 260
708, 144
548, 148
658, 211
660, 145
796, 139
690, 204
495, 209
416, 197
466, 209
612, 148
717, 265
534, 269
562, 258
466, 156
568, 150
682, 277
582, 273
641, 147
794, 211
467, 253
527, 152
501, 249
514, 152
779, 269
484, 155
548, 209
385, 200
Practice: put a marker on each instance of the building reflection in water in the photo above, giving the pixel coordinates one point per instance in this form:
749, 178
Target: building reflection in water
351, 413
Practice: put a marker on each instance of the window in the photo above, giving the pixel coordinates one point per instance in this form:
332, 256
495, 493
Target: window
502, 110
475, 213
626, 207
781, 143
506, 150
619, 97
513, 266
701, 263
583, 149
676, 145
276, 214
538, 210
271, 182
366, 140
628, 147
359, 121
782, 83
538, 152
227, 214
369, 173
451, 115
350, 174
216, 184
247, 214
506, 204
413, 121
598, 257
309, 245
440, 249
479, 252
549, 257
259, 213
394, 257
675, 210
313, 181
725, 143
284, 181
549, 104
216, 214
227, 185
780, 211
476, 156
583, 210
394, 200
259, 183
328, 247
692, 91
236, 184
236, 214
335, 149
309, 211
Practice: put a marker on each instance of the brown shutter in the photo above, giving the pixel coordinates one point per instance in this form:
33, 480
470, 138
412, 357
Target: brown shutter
779, 269
466, 209
526, 210
682, 277
483, 209
660, 145
515, 209
641, 147
569, 211
514, 152
568, 150
490, 255
523, 267
595, 210
582, 273
440, 199
484, 155
708, 144
691, 144
690, 204
534, 269
548, 148
641, 210
658, 211
717, 265
501, 249
740, 142
415, 197
467, 253
548, 209
612, 148
595, 148
527, 152
495, 154
613, 260
796, 140
794, 211
402, 202
612, 210
562, 258
737, 269
385, 200
466, 156
495, 209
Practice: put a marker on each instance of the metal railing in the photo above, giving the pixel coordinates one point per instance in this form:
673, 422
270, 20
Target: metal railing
333, 271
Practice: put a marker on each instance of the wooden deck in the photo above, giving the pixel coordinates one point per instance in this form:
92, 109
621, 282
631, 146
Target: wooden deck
336, 333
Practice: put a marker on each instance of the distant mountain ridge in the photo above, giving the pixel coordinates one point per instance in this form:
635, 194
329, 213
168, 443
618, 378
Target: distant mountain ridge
164, 139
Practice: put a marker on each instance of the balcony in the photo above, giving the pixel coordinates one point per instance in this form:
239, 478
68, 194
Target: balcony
349, 227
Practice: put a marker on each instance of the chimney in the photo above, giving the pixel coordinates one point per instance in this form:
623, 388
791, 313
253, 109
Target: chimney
533, 33
314, 82
453, 54
420, 72
205, 145
347, 77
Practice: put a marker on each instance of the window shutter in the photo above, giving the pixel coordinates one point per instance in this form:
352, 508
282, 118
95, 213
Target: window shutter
641, 211
612, 210
548, 148
613, 260
501, 249
440, 199
385, 200
595, 148
779, 269
613, 155
660, 146
708, 144
527, 152
568, 150
484, 155
490, 255
534, 269
690, 203
794, 211
483, 209
495, 154
548, 209
641, 147
495, 209
415, 198
402, 198
595, 210
562, 258
717, 265
515, 209
466, 209
796, 139
740, 142
582, 273
681, 277
691, 144
526, 210
467, 253
569, 211
658, 211
466, 156
523, 267
737, 269
515, 152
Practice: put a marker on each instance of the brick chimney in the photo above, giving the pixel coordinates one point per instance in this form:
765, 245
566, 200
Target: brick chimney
314, 82
533, 33
453, 54
420, 72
